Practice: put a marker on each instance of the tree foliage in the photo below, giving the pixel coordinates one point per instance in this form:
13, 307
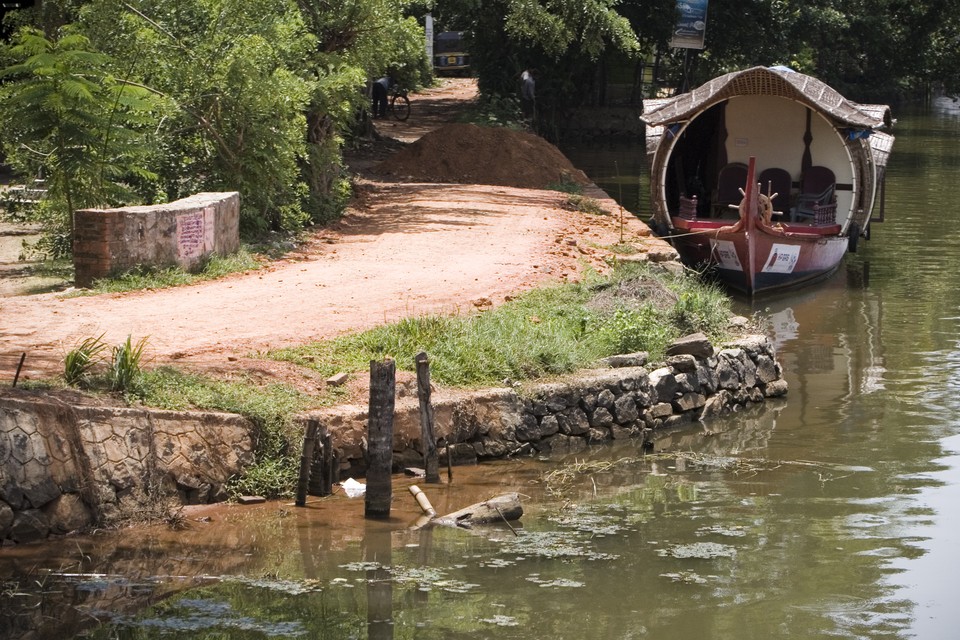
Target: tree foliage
66, 118
230, 68
870, 49
260, 93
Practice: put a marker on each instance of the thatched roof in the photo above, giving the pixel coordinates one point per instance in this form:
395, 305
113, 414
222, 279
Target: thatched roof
769, 81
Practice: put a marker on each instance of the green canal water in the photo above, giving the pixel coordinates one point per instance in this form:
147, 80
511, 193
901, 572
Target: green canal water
833, 513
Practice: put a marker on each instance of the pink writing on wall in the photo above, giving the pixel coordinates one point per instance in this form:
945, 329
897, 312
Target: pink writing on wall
191, 236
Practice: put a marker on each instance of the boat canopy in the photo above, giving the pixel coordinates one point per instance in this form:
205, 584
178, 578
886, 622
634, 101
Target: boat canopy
768, 81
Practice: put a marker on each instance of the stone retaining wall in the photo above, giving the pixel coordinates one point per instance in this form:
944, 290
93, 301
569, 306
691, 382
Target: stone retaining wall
627, 399
65, 466
182, 233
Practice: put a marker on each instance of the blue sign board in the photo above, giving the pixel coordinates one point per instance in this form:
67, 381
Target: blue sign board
691, 24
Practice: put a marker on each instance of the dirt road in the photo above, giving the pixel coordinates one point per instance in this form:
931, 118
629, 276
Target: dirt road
401, 250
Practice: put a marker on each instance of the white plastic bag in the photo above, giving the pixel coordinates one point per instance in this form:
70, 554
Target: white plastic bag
352, 488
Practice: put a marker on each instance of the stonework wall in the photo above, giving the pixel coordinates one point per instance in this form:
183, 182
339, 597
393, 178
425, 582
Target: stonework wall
628, 399
65, 466
182, 233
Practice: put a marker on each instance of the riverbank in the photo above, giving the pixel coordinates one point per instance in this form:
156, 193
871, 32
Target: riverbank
404, 249
70, 463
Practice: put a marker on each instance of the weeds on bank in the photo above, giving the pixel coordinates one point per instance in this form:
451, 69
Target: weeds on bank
566, 185
622, 249
587, 205
123, 371
576, 201
79, 362
152, 278
545, 332
270, 408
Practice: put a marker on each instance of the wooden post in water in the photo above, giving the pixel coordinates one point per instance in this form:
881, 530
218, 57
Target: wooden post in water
329, 474
383, 382
427, 437
306, 460
449, 463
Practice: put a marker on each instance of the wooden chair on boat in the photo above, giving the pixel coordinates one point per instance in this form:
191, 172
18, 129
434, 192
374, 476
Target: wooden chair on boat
731, 179
816, 196
777, 181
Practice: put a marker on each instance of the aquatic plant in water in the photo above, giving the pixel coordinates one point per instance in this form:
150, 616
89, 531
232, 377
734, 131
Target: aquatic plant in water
559, 582
424, 578
501, 621
193, 615
552, 544
699, 550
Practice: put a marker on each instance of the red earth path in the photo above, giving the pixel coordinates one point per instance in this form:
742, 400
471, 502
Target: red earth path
402, 249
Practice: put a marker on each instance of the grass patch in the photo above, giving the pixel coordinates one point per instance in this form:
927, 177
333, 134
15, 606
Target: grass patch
548, 331
584, 204
153, 278
271, 408
566, 185
622, 249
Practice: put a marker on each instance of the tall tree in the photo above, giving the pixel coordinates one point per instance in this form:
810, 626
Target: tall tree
355, 40
234, 71
563, 40
65, 118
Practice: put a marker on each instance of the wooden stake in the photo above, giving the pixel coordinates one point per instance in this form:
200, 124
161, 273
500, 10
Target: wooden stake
449, 464
427, 437
306, 460
23, 356
329, 478
383, 382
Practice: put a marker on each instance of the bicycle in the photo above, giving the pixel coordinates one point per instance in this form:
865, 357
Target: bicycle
399, 104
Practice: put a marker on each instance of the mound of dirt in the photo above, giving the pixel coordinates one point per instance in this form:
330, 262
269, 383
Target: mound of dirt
469, 154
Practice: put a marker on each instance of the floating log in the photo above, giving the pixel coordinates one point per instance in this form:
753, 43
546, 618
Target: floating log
503, 508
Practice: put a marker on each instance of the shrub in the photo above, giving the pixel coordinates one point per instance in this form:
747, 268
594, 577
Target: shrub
125, 366
566, 185
586, 204
79, 361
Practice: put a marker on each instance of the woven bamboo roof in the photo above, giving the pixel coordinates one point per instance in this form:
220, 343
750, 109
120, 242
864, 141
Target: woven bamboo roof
881, 144
768, 81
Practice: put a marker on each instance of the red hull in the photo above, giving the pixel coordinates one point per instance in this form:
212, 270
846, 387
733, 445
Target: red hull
756, 257
778, 261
